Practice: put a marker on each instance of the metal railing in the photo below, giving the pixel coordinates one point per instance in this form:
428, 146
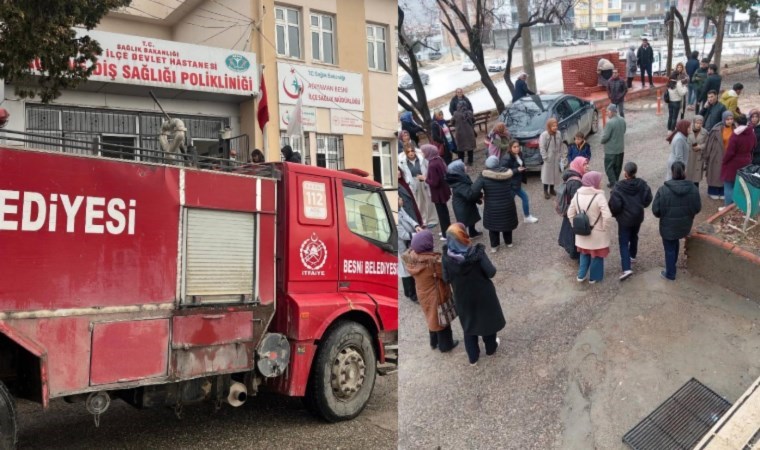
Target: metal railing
96, 147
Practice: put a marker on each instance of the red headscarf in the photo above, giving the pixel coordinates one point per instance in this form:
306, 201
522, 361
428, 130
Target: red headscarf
682, 126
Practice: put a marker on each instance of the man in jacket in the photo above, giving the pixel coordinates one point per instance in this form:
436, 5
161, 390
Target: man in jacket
730, 98
712, 83
712, 110
645, 58
692, 65
613, 140
675, 204
697, 81
521, 88
627, 202
616, 90
459, 97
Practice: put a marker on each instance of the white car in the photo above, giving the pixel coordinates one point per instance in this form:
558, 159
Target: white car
497, 65
468, 65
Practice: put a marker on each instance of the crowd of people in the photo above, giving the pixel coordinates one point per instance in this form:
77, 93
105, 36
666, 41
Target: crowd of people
713, 146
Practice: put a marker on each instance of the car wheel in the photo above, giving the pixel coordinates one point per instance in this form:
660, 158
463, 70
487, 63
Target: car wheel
594, 123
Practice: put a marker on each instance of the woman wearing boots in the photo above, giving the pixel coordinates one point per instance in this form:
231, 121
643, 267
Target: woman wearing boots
550, 146
425, 266
469, 271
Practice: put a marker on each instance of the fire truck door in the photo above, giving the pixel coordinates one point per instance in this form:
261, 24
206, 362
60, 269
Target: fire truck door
368, 240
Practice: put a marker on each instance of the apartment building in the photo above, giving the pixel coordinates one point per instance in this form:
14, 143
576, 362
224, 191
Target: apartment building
602, 18
204, 60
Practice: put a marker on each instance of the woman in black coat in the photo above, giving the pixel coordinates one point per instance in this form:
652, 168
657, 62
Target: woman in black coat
572, 180
675, 204
463, 199
469, 271
499, 211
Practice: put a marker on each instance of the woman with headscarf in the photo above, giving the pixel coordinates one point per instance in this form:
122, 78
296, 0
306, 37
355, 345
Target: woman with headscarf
499, 210
630, 65
469, 271
415, 168
572, 178
425, 266
550, 146
464, 202
498, 141
679, 146
738, 154
442, 137
410, 126
676, 94
754, 118
717, 143
439, 190
696, 140
596, 246
464, 131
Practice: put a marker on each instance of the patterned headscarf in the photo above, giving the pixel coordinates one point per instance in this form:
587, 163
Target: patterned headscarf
579, 165
457, 241
430, 152
593, 179
422, 242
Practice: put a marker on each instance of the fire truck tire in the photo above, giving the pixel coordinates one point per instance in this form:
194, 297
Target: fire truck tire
343, 374
8, 420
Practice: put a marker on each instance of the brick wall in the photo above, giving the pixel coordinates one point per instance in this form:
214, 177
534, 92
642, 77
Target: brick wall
579, 75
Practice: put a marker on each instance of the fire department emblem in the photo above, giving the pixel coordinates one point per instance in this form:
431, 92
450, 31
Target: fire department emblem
313, 253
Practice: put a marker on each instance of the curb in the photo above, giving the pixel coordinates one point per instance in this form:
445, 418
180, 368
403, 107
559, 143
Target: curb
722, 244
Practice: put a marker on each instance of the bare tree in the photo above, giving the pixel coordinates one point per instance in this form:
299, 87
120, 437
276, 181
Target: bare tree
541, 11
407, 60
715, 11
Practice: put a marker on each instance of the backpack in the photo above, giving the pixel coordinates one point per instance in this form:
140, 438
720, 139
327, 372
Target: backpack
581, 223
563, 198
666, 96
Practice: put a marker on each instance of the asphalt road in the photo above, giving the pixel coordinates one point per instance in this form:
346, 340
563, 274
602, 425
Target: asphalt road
264, 422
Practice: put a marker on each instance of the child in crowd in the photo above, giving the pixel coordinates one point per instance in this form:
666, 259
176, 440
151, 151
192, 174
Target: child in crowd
579, 148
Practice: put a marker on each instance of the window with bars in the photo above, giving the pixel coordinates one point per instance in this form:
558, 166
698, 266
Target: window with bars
376, 47
288, 30
382, 162
330, 151
295, 143
323, 38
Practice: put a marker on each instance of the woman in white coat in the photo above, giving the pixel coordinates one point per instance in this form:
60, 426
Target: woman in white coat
414, 166
551, 148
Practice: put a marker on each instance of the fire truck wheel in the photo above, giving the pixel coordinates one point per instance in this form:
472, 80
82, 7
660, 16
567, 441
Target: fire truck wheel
8, 422
343, 373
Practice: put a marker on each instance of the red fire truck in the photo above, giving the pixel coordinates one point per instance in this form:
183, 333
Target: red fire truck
164, 285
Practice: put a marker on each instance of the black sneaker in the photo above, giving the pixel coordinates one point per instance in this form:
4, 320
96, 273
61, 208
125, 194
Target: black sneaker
476, 234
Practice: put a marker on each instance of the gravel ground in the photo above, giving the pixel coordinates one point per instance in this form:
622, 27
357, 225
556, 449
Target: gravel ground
521, 398
264, 422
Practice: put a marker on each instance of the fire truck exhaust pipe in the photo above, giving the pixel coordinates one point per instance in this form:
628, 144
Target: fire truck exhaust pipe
238, 394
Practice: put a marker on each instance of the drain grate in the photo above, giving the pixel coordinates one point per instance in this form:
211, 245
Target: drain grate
680, 421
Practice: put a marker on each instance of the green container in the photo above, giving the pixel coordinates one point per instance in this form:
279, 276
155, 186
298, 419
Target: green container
747, 197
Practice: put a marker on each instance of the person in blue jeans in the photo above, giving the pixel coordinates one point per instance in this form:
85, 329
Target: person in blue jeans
628, 200
514, 160
594, 247
675, 204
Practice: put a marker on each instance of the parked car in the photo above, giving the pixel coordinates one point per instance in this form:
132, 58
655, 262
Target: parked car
434, 56
497, 65
467, 64
563, 43
647, 36
526, 120
582, 41
406, 81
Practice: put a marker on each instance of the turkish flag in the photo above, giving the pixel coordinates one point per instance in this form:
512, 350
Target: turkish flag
262, 115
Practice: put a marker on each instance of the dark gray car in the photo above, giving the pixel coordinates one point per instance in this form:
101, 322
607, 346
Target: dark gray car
406, 81
526, 120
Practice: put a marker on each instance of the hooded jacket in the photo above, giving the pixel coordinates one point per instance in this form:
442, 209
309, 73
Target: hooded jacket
499, 211
739, 152
628, 200
675, 204
463, 199
428, 278
475, 296
730, 100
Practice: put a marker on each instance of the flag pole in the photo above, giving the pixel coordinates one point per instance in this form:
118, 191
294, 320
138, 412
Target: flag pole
264, 139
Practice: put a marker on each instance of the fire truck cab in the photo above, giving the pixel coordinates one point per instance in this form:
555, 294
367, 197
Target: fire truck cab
161, 285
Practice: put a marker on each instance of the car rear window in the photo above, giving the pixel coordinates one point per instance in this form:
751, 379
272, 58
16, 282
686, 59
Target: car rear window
526, 115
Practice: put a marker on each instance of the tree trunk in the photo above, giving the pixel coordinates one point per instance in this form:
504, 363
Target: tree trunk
527, 46
718, 46
669, 65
